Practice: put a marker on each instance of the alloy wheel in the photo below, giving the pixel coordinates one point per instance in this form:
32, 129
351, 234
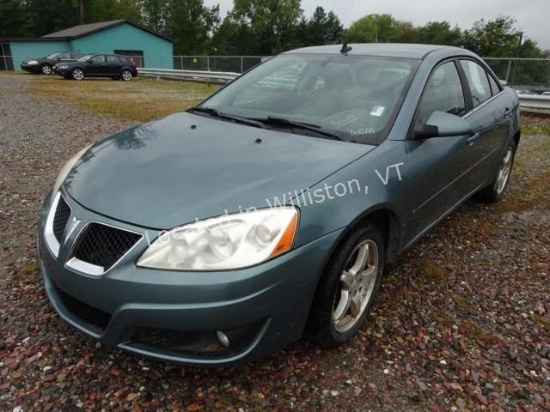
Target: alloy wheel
505, 170
357, 285
78, 74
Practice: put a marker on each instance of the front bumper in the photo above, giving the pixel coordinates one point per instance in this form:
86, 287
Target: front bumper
35, 68
177, 316
60, 72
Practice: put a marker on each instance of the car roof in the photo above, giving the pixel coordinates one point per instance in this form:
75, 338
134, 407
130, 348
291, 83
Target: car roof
409, 51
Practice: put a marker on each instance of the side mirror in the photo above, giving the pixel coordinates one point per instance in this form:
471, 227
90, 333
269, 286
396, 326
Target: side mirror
441, 124
90, 61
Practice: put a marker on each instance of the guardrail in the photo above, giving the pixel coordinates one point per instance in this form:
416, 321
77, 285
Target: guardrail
194, 75
534, 103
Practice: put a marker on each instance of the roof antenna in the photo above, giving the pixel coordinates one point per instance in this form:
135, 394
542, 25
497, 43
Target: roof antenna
345, 48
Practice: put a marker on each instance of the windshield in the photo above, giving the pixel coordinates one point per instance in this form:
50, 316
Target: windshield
52, 56
354, 97
86, 57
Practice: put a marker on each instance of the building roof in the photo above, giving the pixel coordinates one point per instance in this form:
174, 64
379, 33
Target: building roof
86, 29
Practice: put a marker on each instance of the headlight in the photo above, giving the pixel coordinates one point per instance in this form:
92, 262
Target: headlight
32, 62
67, 168
225, 242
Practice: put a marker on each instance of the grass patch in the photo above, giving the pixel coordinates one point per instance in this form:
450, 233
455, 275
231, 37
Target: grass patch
139, 100
472, 331
432, 272
536, 129
30, 269
462, 303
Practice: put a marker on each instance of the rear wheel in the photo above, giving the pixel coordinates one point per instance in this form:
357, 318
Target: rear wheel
347, 289
494, 192
126, 75
46, 69
77, 74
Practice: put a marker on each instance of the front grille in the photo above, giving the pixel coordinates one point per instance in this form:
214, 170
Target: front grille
61, 217
97, 319
103, 245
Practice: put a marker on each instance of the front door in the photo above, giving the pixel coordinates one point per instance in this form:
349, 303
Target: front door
439, 166
96, 66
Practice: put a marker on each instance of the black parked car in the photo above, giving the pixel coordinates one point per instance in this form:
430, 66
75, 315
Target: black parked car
45, 65
98, 65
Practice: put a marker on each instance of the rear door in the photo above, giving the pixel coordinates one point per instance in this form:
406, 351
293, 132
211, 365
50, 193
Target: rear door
114, 65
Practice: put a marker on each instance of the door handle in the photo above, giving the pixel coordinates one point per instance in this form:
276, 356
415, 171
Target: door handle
472, 139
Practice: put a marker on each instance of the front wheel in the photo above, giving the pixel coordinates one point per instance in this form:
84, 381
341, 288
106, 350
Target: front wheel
46, 69
494, 192
77, 74
347, 289
126, 75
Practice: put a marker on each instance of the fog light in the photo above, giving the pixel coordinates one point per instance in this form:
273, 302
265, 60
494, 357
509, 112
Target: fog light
222, 337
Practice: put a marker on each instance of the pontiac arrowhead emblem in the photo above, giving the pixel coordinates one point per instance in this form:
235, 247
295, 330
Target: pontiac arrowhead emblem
74, 223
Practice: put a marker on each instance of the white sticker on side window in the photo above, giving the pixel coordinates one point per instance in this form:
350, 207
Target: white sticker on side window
377, 111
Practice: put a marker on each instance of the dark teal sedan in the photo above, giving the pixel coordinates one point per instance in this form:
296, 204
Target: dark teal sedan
270, 211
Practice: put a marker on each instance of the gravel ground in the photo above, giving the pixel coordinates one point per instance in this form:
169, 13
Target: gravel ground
462, 323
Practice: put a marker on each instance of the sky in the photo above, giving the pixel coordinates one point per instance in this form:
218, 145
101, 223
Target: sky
532, 16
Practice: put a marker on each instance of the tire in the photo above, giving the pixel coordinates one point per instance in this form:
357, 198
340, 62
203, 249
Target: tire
126, 75
495, 191
77, 74
347, 288
46, 69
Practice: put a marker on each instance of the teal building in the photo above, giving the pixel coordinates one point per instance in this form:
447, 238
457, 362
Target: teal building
145, 47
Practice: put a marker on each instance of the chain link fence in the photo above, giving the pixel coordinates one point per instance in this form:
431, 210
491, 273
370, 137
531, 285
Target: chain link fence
522, 73
235, 64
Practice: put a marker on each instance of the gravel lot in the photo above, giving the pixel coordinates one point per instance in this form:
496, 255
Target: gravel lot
463, 322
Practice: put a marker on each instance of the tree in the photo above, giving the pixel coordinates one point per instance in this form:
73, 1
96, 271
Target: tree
439, 33
273, 22
48, 16
375, 28
156, 14
191, 26
493, 38
321, 28
14, 17
233, 38
105, 10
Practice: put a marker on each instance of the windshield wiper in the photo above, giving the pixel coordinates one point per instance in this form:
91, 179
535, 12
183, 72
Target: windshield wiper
299, 125
217, 113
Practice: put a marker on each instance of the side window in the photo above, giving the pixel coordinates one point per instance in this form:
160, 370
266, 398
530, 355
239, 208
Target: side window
443, 92
478, 81
100, 58
495, 88
113, 59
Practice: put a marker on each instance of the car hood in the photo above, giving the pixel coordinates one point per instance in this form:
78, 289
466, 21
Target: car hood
186, 167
